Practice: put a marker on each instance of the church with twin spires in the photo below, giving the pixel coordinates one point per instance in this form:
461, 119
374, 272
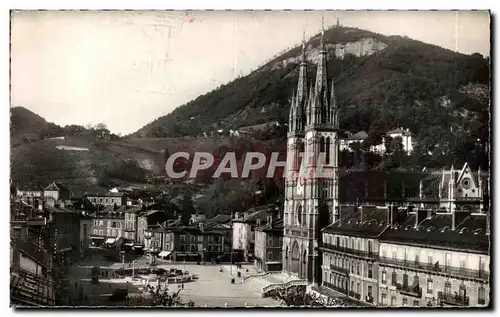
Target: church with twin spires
311, 202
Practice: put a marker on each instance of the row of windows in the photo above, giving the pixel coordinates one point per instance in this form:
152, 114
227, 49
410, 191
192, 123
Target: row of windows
360, 268
430, 260
199, 247
349, 242
106, 200
193, 238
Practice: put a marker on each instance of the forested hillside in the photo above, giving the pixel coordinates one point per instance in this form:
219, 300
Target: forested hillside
440, 95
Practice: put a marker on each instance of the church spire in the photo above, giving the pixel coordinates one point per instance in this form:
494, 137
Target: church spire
321, 98
302, 83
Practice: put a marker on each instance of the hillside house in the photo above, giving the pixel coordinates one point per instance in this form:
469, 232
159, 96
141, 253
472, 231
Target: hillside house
57, 191
30, 191
345, 144
106, 198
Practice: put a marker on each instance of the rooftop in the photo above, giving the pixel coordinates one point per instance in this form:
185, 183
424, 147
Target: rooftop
57, 187
361, 135
364, 221
469, 235
103, 194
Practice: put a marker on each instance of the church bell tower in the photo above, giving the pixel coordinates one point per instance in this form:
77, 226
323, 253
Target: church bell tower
311, 194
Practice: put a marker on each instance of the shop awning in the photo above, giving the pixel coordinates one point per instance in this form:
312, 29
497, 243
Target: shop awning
193, 254
129, 244
100, 238
138, 246
110, 241
164, 254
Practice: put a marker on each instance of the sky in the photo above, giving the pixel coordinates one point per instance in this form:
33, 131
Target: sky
126, 69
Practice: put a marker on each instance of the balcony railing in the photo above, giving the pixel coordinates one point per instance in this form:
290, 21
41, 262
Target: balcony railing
366, 254
414, 291
453, 299
436, 268
339, 269
335, 288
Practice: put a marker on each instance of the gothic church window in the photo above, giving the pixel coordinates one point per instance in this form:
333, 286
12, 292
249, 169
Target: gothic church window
327, 159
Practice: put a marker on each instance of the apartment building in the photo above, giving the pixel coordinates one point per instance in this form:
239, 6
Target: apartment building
435, 260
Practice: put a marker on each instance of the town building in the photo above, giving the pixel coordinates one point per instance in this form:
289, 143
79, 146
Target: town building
27, 192
358, 137
31, 279
436, 259
350, 251
57, 191
115, 222
269, 243
106, 198
244, 226
406, 138
183, 243
220, 224
86, 222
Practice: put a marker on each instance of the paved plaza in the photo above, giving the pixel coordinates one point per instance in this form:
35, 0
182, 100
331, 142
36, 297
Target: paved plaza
213, 288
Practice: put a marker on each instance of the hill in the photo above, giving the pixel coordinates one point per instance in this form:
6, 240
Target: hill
25, 125
382, 82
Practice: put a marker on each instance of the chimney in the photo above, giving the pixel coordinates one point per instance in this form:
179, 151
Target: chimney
458, 218
115, 207
236, 215
61, 203
200, 225
430, 213
361, 213
391, 215
420, 215
258, 223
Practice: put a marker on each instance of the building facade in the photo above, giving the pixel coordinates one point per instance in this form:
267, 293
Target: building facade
350, 251
436, 259
269, 245
311, 202
107, 198
57, 191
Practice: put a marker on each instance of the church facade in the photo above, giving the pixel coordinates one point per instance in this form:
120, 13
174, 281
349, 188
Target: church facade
311, 197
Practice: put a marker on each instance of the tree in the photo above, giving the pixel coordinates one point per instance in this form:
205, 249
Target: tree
187, 206
101, 126
159, 296
297, 296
